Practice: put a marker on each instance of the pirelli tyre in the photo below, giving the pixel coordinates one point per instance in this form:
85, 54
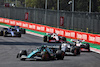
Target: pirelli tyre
60, 54
78, 50
63, 38
5, 33
45, 38
22, 52
1, 33
18, 34
88, 47
45, 56
74, 51
23, 31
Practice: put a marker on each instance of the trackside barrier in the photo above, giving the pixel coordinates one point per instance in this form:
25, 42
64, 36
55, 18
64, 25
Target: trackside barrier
92, 38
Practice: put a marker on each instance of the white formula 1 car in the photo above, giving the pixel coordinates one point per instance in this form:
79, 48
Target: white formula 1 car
9, 32
83, 46
53, 37
70, 49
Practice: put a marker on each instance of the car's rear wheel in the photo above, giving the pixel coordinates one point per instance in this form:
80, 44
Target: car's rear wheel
5, 33
75, 52
64, 39
1, 33
45, 38
88, 47
23, 31
78, 50
18, 34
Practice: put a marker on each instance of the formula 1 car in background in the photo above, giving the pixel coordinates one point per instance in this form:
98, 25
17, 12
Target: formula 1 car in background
1, 33
53, 37
10, 32
70, 49
42, 53
18, 29
83, 46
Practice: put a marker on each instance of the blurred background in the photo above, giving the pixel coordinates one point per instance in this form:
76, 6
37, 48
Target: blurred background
79, 15
80, 5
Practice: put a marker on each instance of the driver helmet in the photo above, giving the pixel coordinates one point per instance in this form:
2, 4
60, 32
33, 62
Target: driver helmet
43, 46
54, 34
78, 42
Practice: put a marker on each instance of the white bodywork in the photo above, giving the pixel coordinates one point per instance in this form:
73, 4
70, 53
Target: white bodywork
78, 42
54, 35
64, 46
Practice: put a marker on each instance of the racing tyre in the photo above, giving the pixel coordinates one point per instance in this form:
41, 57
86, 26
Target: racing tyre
18, 34
45, 56
78, 51
45, 38
1, 33
5, 33
60, 55
88, 47
23, 31
75, 52
64, 39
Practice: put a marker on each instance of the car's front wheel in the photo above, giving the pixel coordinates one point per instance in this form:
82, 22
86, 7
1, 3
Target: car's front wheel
45, 38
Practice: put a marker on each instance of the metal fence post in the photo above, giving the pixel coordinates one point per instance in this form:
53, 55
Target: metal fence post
57, 13
25, 3
34, 14
90, 6
89, 14
16, 3
72, 13
45, 12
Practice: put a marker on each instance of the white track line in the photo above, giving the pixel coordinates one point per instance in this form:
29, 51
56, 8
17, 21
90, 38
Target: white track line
3, 26
95, 50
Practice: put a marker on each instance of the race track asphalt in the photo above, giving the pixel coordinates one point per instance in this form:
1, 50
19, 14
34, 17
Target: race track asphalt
10, 46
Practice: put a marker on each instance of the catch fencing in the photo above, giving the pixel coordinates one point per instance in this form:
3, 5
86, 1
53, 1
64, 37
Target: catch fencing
81, 21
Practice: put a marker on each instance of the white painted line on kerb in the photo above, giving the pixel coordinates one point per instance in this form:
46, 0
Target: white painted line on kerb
95, 50
92, 49
4, 26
